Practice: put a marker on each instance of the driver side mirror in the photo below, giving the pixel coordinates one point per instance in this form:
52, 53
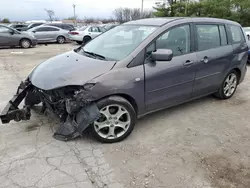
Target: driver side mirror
162, 55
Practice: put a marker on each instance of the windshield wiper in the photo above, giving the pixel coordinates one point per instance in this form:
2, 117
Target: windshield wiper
95, 55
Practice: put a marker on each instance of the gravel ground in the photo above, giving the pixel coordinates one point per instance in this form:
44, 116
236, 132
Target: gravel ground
200, 144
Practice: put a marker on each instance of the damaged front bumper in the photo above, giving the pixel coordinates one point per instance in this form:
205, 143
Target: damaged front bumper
75, 108
11, 111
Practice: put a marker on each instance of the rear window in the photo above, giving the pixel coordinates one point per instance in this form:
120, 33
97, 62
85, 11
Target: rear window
237, 34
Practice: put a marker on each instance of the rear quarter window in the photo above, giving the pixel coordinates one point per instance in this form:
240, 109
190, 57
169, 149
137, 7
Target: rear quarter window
236, 34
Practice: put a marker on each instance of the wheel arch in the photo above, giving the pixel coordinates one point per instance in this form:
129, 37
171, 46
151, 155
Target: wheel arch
87, 36
61, 36
238, 72
129, 98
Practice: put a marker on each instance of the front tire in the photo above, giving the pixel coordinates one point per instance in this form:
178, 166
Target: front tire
25, 43
117, 120
229, 86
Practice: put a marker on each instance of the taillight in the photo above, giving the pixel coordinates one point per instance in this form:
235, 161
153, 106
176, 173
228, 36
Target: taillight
73, 33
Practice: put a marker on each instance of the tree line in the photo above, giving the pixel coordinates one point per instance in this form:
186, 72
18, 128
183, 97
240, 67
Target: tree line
237, 10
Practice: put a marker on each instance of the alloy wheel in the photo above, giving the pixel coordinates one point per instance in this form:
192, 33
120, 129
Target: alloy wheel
25, 44
114, 122
230, 84
61, 40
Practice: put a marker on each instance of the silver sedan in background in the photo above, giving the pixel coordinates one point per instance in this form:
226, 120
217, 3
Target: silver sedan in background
45, 34
11, 37
85, 34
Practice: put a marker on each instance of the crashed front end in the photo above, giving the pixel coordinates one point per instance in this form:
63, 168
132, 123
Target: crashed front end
74, 105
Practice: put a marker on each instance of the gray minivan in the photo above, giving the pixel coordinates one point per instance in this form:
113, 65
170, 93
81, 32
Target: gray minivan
134, 69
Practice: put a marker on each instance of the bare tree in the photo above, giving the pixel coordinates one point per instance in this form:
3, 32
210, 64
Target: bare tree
135, 14
50, 13
147, 14
118, 13
126, 14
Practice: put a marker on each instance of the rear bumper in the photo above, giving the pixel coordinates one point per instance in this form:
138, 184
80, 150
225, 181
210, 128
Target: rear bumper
11, 110
76, 38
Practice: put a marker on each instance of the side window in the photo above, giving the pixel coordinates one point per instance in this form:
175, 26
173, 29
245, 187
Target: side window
208, 37
4, 29
93, 29
223, 35
41, 29
34, 25
52, 29
177, 39
65, 27
237, 34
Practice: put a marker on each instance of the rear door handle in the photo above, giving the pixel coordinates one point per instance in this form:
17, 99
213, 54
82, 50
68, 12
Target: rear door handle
188, 63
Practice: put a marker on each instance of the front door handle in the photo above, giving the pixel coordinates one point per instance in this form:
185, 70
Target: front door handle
188, 63
205, 60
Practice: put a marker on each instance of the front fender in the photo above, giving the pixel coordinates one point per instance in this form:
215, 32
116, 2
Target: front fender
122, 81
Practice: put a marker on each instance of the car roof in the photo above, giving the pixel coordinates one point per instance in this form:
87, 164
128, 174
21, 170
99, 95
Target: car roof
58, 24
45, 25
164, 20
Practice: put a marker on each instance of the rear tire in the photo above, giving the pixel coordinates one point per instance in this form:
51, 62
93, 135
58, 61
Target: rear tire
117, 114
25, 43
61, 39
229, 86
86, 39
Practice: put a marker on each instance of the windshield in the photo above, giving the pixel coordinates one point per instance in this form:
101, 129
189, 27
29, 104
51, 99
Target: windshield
119, 42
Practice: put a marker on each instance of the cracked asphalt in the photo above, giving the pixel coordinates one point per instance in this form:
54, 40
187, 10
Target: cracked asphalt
200, 144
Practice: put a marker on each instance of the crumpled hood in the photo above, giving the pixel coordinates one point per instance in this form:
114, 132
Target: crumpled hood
67, 69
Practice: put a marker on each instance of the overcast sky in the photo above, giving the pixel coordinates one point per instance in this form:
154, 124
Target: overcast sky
34, 9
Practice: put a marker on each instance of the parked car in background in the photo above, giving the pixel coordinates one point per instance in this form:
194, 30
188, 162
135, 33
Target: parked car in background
18, 27
85, 34
31, 26
11, 37
68, 27
247, 31
45, 34
110, 26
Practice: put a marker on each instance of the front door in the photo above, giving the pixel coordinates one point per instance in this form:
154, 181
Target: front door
170, 82
45, 34
214, 57
7, 37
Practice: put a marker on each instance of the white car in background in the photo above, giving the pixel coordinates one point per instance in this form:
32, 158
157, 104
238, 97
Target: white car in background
247, 31
85, 34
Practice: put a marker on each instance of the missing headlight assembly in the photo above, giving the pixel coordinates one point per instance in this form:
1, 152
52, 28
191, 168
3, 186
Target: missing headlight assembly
74, 106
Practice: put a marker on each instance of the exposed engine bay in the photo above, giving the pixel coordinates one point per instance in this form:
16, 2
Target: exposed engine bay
74, 106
